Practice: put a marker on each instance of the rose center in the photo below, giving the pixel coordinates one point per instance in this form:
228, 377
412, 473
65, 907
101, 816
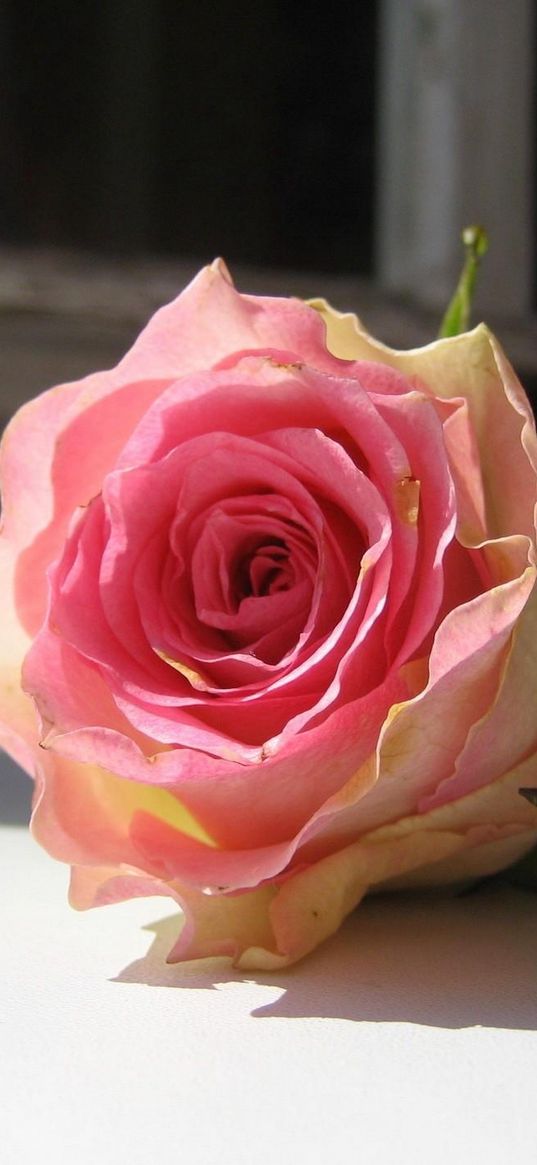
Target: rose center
267, 570
253, 574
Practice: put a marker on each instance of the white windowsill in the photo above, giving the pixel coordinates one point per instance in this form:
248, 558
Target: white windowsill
408, 1037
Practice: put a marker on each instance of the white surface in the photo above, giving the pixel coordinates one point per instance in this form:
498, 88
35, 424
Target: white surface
408, 1038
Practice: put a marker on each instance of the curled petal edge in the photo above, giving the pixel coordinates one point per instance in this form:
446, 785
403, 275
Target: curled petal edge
473, 366
275, 925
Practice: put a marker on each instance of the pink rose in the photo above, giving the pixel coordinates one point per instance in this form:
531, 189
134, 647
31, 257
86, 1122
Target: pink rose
272, 589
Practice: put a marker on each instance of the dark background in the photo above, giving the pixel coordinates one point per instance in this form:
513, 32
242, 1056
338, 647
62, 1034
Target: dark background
192, 127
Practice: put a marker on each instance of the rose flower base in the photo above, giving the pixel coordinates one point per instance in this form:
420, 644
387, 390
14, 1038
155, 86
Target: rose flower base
270, 618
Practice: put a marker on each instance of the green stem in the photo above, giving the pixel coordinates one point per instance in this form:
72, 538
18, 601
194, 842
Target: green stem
457, 316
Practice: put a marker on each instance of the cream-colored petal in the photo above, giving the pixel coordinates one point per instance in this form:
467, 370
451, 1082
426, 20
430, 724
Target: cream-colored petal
275, 925
311, 906
472, 366
463, 867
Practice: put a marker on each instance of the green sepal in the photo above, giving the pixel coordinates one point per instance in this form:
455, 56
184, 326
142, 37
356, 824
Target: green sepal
457, 316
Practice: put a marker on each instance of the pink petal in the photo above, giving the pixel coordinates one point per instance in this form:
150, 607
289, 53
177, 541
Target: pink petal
422, 739
507, 732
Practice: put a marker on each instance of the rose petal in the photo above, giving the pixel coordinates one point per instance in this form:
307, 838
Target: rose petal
507, 732
273, 926
17, 714
76, 431
472, 366
422, 739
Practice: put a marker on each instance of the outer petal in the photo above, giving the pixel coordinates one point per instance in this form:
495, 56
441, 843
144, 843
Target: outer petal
18, 724
68, 793
210, 926
508, 731
273, 926
422, 738
311, 906
211, 320
236, 827
74, 432
472, 366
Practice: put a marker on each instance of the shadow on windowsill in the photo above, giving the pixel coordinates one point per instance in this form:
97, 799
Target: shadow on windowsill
429, 959
16, 790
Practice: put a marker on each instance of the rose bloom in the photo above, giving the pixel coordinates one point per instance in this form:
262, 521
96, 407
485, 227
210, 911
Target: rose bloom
269, 618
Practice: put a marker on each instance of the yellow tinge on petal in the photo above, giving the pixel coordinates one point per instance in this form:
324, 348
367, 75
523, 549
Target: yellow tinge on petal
195, 678
124, 798
343, 331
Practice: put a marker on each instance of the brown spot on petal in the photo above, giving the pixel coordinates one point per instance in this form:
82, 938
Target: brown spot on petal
407, 500
291, 367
